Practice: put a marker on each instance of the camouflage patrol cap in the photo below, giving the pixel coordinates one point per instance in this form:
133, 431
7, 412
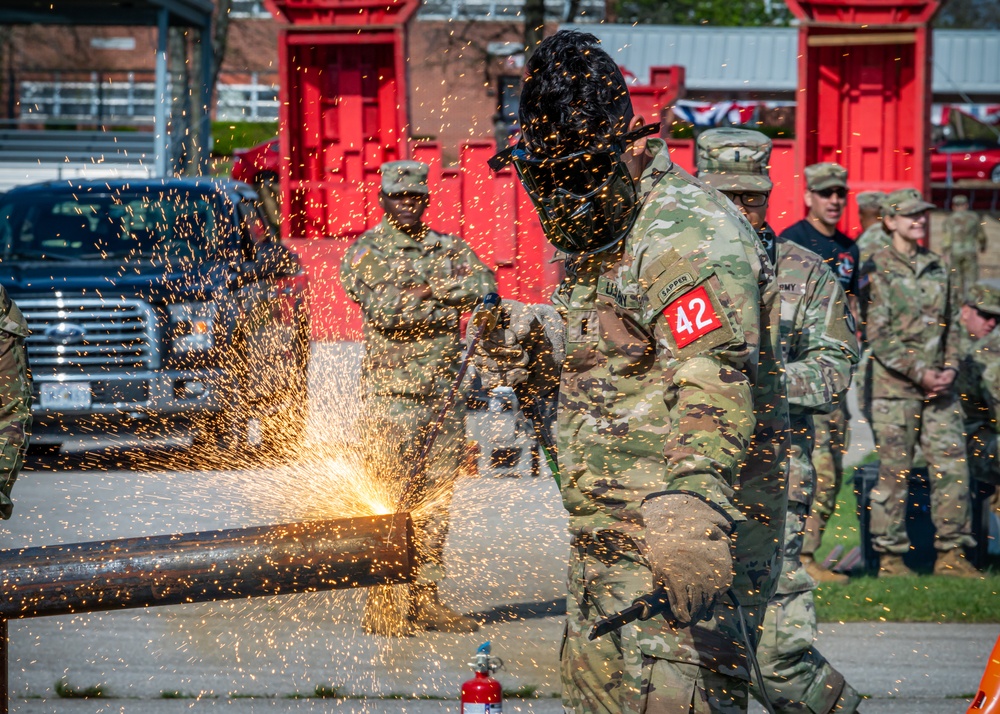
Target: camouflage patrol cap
984, 295
404, 177
870, 200
820, 177
732, 159
904, 202
960, 200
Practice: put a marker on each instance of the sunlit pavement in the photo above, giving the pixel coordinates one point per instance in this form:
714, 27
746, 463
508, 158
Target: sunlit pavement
506, 558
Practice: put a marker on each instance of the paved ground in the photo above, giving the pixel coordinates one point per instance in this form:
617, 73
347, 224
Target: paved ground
506, 554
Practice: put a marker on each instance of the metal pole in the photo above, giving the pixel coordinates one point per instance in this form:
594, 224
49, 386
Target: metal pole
160, 94
205, 130
213, 565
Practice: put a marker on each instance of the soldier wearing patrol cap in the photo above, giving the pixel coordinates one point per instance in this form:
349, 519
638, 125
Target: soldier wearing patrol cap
15, 398
826, 199
873, 235
962, 237
820, 351
413, 284
913, 331
978, 383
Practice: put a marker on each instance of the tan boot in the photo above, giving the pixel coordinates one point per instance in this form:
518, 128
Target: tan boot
820, 574
954, 563
891, 565
383, 616
430, 614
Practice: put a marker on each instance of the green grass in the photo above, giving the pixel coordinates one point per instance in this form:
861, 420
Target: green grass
229, 135
65, 691
525, 692
926, 598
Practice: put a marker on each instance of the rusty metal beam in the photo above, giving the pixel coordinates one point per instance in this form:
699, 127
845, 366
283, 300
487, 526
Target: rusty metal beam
212, 565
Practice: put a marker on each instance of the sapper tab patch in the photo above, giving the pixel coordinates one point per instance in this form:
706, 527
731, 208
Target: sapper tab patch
691, 316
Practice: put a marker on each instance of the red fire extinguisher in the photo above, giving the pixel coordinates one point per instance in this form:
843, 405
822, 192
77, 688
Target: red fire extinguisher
482, 694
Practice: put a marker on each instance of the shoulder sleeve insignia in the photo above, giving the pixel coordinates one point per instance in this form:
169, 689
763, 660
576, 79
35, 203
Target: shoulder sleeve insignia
692, 316
359, 255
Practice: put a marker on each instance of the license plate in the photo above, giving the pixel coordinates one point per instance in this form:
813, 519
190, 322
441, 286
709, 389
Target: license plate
65, 395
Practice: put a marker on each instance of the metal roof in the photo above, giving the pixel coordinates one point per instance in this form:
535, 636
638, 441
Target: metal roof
764, 59
195, 13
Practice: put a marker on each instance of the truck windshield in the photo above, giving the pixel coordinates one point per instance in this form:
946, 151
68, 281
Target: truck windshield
170, 224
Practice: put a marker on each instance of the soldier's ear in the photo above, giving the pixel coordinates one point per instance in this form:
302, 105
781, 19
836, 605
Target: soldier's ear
638, 147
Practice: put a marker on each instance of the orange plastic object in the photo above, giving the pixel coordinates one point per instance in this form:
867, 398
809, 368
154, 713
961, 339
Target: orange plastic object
987, 699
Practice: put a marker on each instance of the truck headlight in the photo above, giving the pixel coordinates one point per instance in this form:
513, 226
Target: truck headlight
193, 325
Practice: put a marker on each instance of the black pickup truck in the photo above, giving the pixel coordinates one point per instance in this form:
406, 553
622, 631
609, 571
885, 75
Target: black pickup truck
155, 305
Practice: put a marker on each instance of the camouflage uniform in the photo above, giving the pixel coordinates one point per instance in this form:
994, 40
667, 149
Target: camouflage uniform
830, 441
412, 344
912, 327
819, 350
872, 240
962, 238
15, 398
978, 383
655, 399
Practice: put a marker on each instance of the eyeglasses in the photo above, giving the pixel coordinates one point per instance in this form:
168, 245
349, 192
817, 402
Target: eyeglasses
828, 192
750, 199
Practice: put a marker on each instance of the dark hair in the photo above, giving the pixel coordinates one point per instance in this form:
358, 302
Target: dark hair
574, 96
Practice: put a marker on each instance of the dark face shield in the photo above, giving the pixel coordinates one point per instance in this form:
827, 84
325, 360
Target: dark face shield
586, 201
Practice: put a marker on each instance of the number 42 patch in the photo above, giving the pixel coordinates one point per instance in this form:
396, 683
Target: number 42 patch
691, 317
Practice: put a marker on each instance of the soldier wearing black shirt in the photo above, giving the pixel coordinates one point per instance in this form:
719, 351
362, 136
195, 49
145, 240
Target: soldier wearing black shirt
826, 199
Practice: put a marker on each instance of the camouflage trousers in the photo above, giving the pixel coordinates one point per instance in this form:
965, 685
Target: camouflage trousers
936, 425
965, 272
828, 462
646, 667
796, 677
982, 450
411, 418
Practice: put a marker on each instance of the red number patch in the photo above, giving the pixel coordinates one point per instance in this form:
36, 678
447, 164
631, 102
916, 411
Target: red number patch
691, 316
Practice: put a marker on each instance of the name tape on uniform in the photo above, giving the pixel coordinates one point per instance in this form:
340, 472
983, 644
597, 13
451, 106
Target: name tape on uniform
691, 316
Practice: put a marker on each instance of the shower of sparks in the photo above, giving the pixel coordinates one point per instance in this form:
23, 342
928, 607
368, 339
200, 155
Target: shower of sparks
255, 462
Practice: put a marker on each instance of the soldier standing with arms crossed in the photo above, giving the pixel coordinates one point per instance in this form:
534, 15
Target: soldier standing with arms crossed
826, 199
820, 351
962, 238
670, 476
913, 332
413, 284
15, 398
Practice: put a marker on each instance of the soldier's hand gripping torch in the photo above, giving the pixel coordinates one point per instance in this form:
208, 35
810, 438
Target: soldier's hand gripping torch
483, 320
642, 608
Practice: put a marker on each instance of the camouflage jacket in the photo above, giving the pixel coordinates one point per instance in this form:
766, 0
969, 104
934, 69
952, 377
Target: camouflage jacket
15, 398
672, 342
412, 294
912, 318
818, 344
978, 381
962, 234
870, 242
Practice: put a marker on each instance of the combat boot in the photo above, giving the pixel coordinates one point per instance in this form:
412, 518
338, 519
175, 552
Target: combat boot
954, 563
891, 565
820, 574
430, 614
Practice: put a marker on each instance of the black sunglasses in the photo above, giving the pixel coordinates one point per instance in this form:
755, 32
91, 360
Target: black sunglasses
827, 192
986, 315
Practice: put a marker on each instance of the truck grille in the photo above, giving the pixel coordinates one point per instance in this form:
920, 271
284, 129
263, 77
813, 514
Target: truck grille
90, 334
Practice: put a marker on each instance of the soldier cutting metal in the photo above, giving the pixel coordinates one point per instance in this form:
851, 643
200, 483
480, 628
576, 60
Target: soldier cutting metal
15, 398
671, 420
412, 284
